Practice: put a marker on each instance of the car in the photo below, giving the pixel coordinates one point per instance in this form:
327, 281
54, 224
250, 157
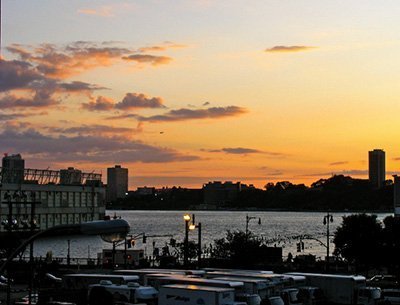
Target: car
273, 301
391, 296
384, 281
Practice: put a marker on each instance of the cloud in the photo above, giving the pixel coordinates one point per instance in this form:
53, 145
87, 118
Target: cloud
103, 11
185, 114
95, 149
78, 86
17, 74
244, 151
162, 47
12, 116
41, 99
62, 62
339, 163
93, 130
139, 100
151, 59
287, 49
101, 104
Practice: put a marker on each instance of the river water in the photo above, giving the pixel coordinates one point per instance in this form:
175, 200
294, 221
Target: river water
277, 229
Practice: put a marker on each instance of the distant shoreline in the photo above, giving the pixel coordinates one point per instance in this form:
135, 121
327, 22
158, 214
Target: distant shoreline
260, 210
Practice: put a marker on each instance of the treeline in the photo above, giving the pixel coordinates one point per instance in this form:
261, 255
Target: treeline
337, 193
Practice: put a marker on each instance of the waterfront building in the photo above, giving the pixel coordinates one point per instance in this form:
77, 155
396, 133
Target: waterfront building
53, 203
376, 169
396, 195
117, 183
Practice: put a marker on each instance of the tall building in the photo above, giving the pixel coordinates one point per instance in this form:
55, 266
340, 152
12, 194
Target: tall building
13, 168
376, 170
396, 195
117, 183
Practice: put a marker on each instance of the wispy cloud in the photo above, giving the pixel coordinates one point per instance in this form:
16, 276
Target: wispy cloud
287, 49
185, 114
150, 59
99, 130
75, 58
162, 47
103, 11
339, 163
244, 151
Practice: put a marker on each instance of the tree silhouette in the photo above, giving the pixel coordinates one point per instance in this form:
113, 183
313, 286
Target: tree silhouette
238, 248
359, 240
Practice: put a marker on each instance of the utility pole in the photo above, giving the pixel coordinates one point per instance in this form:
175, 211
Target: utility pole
327, 219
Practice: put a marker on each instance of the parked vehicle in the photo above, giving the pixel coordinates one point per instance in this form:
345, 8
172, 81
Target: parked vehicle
132, 293
391, 296
384, 281
194, 295
344, 289
261, 287
273, 301
310, 295
83, 280
290, 296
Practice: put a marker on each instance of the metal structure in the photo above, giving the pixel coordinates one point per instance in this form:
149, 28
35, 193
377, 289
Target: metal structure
43, 176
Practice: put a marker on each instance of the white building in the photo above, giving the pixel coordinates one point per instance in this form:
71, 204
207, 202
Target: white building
54, 203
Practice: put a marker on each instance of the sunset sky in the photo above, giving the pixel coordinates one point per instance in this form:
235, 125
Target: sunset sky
186, 92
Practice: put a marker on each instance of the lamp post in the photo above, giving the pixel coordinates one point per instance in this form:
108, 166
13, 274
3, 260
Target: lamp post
193, 226
186, 218
327, 219
248, 218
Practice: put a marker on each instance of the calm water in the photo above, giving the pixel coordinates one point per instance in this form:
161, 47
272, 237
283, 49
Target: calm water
278, 228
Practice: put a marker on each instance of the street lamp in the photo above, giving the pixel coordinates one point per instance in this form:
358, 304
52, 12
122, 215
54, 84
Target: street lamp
327, 219
186, 218
193, 226
248, 218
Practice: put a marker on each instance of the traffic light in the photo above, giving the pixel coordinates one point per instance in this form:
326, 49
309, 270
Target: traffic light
144, 239
302, 245
298, 247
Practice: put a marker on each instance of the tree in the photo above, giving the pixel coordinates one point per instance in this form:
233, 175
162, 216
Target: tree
238, 248
391, 243
359, 240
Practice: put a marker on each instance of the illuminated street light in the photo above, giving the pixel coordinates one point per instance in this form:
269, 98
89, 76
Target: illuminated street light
186, 218
192, 227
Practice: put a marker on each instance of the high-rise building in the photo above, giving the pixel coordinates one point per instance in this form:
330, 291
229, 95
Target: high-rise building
117, 183
376, 170
396, 195
13, 168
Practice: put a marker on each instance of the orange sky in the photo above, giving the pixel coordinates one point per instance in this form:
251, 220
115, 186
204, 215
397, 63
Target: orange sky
194, 91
